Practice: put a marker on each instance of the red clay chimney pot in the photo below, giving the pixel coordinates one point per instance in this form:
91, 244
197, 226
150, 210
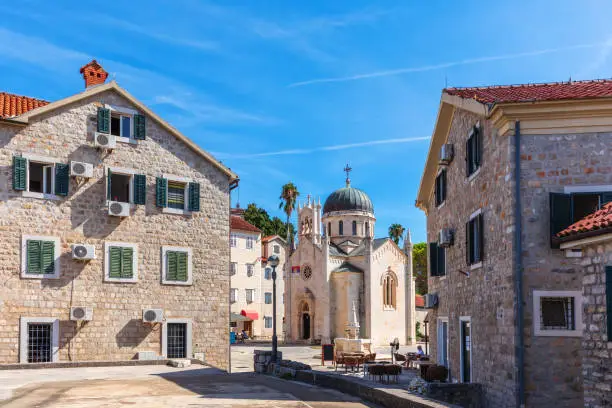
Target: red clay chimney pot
93, 74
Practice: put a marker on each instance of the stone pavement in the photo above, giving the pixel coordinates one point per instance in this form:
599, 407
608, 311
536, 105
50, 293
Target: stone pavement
159, 386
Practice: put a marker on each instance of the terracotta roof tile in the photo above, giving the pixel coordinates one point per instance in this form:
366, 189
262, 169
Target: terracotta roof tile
599, 221
599, 88
419, 301
14, 105
238, 223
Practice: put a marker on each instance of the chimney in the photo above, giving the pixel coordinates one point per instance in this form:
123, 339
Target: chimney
93, 74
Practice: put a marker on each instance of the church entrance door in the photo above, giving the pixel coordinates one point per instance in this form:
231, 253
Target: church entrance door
305, 326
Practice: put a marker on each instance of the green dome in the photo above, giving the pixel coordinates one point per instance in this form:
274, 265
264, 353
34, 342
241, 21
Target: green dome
348, 199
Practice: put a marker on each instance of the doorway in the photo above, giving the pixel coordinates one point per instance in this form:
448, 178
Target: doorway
443, 341
248, 327
466, 349
305, 326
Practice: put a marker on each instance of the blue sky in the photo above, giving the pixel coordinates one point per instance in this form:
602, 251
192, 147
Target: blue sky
292, 91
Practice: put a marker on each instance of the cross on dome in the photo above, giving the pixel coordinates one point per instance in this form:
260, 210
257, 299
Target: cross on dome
348, 169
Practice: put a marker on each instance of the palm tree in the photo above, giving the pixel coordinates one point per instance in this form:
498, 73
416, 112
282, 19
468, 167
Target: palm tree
396, 231
288, 198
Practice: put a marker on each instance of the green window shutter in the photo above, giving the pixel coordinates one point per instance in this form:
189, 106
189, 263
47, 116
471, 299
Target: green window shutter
62, 179
181, 266
194, 197
468, 157
127, 257
20, 165
140, 189
108, 184
161, 187
441, 262
481, 246
609, 300
103, 120
114, 262
468, 243
140, 127
477, 147
560, 214
433, 259
171, 267
48, 257
34, 257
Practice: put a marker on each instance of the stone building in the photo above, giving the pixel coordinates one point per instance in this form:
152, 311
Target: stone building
114, 238
338, 265
508, 304
590, 239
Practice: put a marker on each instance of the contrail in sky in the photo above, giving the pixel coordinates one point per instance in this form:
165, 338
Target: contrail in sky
320, 149
446, 65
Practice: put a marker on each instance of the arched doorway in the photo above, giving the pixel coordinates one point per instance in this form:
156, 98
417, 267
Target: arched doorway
305, 321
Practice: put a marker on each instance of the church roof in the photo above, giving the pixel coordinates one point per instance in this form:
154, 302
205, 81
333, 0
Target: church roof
348, 199
347, 267
335, 250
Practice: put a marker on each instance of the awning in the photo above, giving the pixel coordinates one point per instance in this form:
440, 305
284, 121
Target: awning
250, 315
235, 317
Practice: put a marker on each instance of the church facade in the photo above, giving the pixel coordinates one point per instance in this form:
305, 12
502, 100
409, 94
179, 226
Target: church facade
339, 266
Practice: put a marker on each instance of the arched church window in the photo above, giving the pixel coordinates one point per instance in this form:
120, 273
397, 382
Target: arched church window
389, 292
340, 228
367, 229
329, 229
354, 227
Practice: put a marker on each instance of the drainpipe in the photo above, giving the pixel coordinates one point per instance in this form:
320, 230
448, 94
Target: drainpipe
518, 264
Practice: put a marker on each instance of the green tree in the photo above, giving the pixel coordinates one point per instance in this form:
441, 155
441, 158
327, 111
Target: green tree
288, 198
396, 232
268, 226
419, 267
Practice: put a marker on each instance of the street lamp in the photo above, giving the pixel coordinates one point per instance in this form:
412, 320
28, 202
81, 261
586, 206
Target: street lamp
273, 261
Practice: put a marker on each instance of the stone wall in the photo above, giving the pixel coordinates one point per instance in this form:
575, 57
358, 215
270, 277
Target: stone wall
596, 342
487, 294
116, 332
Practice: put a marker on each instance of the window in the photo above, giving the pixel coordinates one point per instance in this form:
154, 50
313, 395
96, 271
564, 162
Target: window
437, 260
177, 338
473, 150
233, 266
121, 125
277, 249
250, 295
268, 274
340, 228
474, 237
38, 340
177, 195
124, 186
389, 291
249, 269
268, 322
249, 243
557, 313
121, 262
233, 295
40, 257
233, 240
566, 209
329, 229
268, 298
354, 227
40, 177
440, 188
176, 265
122, 122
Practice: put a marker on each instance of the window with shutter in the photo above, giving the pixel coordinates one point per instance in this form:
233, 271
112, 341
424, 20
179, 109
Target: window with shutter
194, 197
140, 189
473, 146
39, 257
140, 127
34, 257
161, 191
19, 172
177, 268
62, 179
103, 120
440, 188
114, 262
120, 262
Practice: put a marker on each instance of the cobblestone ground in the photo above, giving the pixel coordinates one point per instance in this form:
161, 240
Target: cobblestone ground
178, 388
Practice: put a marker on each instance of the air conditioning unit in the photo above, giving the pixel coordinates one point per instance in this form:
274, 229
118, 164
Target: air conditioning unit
445, 237
431, 300
104, 140
152, 315
447, 152
81, 169
81, 313
117, 209
83, 252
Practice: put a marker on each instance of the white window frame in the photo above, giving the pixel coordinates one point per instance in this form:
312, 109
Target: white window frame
234, 292
177, 179
576, 294
124, 172
271, 322
233, 241
189, 342
247, 291
164, 260
23, 337
107, 278
271, 298
250, 240
122, 111
47, 161
24, 257
252, 267
466, 319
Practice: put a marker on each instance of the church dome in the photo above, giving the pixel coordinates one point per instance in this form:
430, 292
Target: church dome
348, 199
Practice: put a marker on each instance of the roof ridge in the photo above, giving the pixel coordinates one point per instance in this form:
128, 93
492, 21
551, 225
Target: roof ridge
533, 84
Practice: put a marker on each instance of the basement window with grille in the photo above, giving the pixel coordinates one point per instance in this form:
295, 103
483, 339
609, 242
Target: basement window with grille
557, 313
177, 338
40, 257
120, 262
176, 265
38, 340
